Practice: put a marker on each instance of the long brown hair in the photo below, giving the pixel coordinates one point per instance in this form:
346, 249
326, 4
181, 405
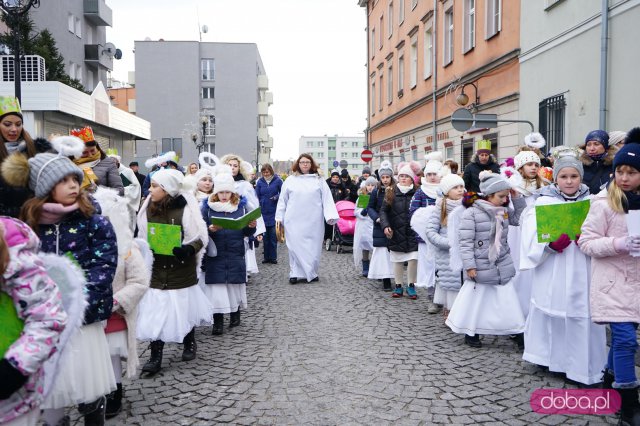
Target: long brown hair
160, 207
32, 210
443, 210
296, 165
24, 135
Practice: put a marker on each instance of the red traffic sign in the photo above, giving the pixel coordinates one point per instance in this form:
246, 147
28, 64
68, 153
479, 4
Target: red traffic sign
366, 155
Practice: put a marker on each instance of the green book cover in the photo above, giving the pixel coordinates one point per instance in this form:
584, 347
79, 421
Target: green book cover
163, 238
11, 325
363, 201
238, 223
554, 220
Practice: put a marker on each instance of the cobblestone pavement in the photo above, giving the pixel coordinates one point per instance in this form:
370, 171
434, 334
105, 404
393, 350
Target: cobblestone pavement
339, 351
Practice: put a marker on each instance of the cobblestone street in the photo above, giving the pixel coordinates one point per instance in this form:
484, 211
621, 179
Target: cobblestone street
339, 351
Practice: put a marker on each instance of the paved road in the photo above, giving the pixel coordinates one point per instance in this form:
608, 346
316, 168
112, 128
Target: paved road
339, 351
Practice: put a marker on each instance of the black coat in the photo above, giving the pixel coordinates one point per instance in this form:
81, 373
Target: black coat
337, 190
396, 216
597, 173
472, 171
376, 199
351, 190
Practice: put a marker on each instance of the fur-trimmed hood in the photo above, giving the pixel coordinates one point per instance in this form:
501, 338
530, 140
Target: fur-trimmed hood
492, 159
607, 160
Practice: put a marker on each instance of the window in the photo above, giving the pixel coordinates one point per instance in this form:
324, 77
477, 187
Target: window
319, 154
373, 97
469, 26
414, 3
401, 12
428, 53
309, 144
400, 75
390, 19
320, 144
493, 15
71, 23
448, 153
380, 27
343, 144
493, 137
402, 156
380, 89
331, 148
344, 154
414, 61
211, 126
208, 67
390, 83
551, 120
208, 93
448, 36
373, 42
467, 152
355, 144
355, 155
78, 28
414, 155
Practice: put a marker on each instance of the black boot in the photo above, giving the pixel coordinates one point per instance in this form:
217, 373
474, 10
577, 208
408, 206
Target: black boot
607, 379
218, 325
630, 410
114, 403
386, 284
519, 339
93, 412
189, 342
154, 364
473, 341
365, 268
235, 318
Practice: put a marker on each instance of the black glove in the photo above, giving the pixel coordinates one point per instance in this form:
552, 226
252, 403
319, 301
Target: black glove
184, 252
10, 379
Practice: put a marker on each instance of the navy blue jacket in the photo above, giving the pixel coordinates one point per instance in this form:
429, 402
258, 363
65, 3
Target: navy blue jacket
92, 242
376, 199
229, 266
268, 194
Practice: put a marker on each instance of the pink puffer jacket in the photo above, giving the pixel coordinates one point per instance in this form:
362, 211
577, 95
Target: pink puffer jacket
615, 277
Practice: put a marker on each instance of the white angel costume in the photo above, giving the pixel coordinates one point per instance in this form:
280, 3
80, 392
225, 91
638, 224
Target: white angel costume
426, 255
362, 236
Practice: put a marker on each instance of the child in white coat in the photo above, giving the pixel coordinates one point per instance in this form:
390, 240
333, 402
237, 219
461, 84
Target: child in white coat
363, 234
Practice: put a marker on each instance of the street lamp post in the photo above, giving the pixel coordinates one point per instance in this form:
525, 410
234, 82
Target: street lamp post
204, 120
15, 10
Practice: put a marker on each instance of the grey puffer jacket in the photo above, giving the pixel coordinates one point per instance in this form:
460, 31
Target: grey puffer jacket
108, 175
477, 232
437, 235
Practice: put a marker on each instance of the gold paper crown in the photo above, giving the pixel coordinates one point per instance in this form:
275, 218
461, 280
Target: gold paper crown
86, 134
9, 104
483, 144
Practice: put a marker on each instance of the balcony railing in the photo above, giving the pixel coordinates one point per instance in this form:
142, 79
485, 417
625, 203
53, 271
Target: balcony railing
98, 13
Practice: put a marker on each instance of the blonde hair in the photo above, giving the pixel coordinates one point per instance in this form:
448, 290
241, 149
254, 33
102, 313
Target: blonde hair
615, 195
539, 182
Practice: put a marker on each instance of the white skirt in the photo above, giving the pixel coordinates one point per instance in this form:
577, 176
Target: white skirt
486, 309
426, 266
523, 283
85, 372
118, 344
169, 315
398, 256
250, 259
444, 297
574, 346
226, 298
380, 266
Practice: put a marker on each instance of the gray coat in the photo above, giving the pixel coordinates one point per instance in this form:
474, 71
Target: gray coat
437, 235
477, 231
107, 172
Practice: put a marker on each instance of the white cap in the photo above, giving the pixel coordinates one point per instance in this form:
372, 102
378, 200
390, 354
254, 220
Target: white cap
524, 157
406, 170
170, 180
223, 182
434, 162
450, 181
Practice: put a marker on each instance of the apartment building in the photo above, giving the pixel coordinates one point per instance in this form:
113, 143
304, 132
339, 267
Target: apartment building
428, 58
332, 151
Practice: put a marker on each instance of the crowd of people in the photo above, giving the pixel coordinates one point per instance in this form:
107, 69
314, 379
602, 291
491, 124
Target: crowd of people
96, 257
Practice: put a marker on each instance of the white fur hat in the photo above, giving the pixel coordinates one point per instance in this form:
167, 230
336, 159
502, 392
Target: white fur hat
170, 180
434, 162
450, 181
223, 182
164, 158
406, 170
524, 157
535, 140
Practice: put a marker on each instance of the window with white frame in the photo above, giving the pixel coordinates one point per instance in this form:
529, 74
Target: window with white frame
320, 144
428, 53
414, 3
390, 83
400, 74
208, 68
355, 144
448, 153
469, 26
208, 93
373, 42
390, 19
380, 27
211, 126
78, 28
493, 17
414, 61
355, 155
343, 144
373, 97
381, 92
309, 144
401, 12
319, 154
414, 155
344, 154
71, 23
448, 36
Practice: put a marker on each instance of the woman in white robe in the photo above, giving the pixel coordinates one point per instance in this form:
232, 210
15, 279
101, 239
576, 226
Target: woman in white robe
305, 204
559, 333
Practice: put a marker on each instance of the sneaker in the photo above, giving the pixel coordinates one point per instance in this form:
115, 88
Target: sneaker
473, 341
411, 292
398, 291
434, 308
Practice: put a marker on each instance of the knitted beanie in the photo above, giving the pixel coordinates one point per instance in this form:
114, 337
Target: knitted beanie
567, 157
524, 157
386, 169
371, 181
335, 173
170, 180
344, 173
406, 170
450, 181
616, 136
490, 183
223, 182
629, 154
434, 162
598, 136
366, 169
46, 170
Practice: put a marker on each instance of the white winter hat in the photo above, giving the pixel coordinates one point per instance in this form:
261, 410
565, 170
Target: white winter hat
201, 173
223, 182
170, 180
524, 157
406, 170
434, 162
450, 181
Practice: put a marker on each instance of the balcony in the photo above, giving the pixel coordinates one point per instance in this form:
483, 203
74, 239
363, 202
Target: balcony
263, 134
263, 108
263, 82
269, 98
269, 120
95, 57
98, 13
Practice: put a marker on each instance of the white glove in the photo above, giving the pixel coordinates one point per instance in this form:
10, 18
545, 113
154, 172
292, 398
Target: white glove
627, 244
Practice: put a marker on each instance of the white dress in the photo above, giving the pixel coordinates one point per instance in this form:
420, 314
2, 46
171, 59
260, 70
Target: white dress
362, 237
559, 333
304, 205
523, 279
245, 189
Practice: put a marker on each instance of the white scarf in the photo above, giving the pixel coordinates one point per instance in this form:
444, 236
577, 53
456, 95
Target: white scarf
430, 189
404, 189
220, 207
497, 214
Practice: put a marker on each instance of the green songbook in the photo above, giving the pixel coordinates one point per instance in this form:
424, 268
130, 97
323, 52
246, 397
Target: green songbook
238, 223
363, 201
11, 325
554, 220
163, 238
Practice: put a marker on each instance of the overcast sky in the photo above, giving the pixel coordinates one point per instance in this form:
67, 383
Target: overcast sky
314, 53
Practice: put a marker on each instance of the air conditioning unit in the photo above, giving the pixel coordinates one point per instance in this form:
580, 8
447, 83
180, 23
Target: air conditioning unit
32, 68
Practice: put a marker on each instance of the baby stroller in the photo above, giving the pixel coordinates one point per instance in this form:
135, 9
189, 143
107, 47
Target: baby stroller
343, 230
